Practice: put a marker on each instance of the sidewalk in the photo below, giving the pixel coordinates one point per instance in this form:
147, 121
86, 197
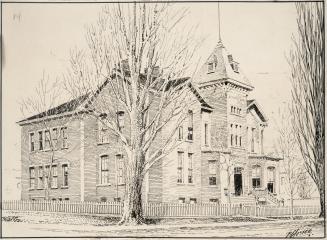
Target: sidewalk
278, 228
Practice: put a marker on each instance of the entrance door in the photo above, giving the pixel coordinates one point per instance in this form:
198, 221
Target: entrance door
238, 184
270, 187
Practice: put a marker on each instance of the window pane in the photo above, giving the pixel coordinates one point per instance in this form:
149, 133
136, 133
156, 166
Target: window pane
212, 167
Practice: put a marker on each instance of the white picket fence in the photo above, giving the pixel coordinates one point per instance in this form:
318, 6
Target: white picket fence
161, 210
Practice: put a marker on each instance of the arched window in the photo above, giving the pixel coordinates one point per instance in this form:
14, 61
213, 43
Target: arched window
256, 176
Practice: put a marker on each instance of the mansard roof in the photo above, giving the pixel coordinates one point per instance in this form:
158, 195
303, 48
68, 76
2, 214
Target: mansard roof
224, 68
252, 104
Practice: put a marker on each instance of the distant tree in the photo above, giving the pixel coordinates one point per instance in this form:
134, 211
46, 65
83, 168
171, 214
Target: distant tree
307, 61
305, 185
291, 167
51, 138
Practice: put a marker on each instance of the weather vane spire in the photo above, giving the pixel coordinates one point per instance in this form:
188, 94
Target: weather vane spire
219, 36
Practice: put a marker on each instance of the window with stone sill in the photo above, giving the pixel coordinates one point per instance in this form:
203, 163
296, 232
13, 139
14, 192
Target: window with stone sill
180, 133
55, 138
104, 170
40, 140
32, 142
54, 177
47, 140
40, 183
190, 126
212, 173
64, 137
206, 134
32, 177
103, 130
65, 175
120, 168
180, 169
190, 168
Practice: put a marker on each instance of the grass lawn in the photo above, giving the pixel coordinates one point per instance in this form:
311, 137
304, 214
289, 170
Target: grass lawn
103, 220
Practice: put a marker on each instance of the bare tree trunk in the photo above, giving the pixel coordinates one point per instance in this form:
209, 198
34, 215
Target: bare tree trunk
133, 212
292, 206
322, 201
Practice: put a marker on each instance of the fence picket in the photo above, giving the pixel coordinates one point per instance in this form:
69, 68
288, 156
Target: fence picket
160, 209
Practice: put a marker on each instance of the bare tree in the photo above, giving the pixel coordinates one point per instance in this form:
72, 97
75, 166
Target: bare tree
39, 111
141, 52
291, 166
307, 61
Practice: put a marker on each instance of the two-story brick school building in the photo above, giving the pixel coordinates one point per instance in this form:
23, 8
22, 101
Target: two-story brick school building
221, 152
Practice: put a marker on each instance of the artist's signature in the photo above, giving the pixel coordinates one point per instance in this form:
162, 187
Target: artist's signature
299, 232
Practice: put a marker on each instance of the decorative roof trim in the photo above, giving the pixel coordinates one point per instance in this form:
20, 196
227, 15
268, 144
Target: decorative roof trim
265, 157
253, 104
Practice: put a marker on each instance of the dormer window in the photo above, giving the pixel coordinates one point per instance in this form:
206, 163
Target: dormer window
210, 67
235, 67
120, 119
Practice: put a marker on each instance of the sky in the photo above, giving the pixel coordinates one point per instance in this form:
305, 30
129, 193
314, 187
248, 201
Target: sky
37, 38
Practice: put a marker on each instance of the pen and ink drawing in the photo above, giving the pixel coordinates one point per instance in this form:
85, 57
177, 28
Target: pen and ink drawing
140, 131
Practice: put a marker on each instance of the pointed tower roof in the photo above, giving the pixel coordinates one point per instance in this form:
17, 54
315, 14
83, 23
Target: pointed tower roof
220, 66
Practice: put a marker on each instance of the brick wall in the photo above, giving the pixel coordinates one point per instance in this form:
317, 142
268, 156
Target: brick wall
38, 158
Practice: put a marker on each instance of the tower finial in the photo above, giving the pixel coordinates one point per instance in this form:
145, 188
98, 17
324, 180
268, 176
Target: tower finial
219, 36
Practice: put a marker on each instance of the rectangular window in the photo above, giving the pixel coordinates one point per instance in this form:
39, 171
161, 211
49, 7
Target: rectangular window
65, 175
32, 177
54, 137
46, 139
121, 120
120, 168
206, 134
104, 169
231, 134
252, 139
256, 182
46, 176
213, 200
54, 177
240, 136
210, 67
40, 183
180, 133
103, 132
40, 140
32, 142
180, 173
236, 136
212, 181
212, 173
181, 200
190, 126
64, 137
192, 200
190, 168
256, 176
